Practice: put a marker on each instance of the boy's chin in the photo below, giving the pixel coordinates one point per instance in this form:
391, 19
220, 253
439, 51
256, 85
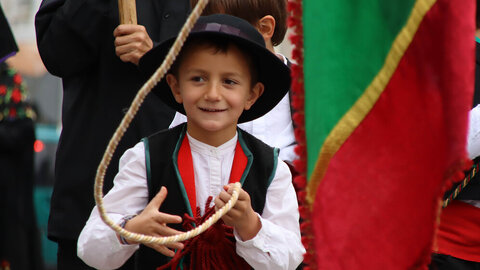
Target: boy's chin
212, 127
216, 126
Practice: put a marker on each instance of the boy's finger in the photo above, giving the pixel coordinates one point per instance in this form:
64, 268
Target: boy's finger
164, 230
163, 249
224, 196
219, 203
175, 245
157, 201
229, 188
165, 218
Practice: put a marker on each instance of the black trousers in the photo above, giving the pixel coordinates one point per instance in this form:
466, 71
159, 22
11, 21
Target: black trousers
67, 258
446, 262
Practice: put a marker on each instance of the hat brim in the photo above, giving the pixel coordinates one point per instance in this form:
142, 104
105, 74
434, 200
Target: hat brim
272, 72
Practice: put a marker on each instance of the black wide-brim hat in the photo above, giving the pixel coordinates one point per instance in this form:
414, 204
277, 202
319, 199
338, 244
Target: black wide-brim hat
272, 72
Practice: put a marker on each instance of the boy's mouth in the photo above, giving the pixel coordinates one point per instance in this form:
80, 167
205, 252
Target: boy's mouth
212, 110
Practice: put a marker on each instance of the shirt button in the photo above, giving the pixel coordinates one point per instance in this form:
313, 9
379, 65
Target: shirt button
166, 16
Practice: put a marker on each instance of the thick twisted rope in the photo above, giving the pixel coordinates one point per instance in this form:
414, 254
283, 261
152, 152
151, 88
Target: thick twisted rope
127, 119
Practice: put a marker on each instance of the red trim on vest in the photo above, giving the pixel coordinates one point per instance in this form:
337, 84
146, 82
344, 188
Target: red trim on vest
187, 174
459, 231
185, 167
239, 164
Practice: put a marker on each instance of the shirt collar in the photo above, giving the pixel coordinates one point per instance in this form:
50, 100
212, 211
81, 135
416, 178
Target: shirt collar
205, 149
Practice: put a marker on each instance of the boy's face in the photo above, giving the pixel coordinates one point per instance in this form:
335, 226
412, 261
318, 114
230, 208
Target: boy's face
214, 87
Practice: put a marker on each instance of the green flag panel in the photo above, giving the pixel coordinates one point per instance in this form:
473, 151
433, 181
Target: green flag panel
345, 45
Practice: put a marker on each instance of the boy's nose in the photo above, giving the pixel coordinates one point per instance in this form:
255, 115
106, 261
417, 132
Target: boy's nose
213, 92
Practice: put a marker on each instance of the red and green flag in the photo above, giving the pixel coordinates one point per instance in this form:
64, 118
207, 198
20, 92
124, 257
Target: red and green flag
382, 91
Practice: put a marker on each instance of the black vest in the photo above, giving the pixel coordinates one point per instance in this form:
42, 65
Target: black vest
161, 151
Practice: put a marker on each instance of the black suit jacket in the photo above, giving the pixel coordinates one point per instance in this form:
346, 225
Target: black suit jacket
75, 40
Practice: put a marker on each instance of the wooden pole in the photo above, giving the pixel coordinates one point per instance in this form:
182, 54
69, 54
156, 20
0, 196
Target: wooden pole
127, 11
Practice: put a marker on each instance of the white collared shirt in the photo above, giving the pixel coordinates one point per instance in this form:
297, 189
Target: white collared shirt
274, 128
276, 246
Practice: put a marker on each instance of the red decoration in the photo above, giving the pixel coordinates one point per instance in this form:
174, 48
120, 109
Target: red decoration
299, 118
16, 95
300, 182
213, 249
298, 94
17, 79
13, 112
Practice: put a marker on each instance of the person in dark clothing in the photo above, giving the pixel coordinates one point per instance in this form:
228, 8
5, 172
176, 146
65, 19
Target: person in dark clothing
8, 46
79, 41
20, 238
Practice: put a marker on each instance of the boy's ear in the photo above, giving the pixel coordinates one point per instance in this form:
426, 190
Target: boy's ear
256, 92
173, 83
266, 26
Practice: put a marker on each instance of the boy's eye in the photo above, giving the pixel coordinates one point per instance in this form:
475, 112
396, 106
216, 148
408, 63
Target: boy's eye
197, 79
229, 82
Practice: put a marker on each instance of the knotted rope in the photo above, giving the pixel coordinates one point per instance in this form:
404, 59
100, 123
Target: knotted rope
127, 119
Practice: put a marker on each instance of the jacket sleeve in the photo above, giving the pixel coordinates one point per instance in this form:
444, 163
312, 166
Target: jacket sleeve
70, 33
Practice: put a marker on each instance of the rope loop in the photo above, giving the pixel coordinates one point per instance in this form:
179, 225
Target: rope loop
121, 129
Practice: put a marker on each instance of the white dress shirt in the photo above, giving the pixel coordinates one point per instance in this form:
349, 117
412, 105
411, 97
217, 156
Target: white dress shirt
274, 128
473, 139
276, 246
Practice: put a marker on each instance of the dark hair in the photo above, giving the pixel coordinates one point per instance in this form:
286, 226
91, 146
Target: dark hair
220, 45
252, 11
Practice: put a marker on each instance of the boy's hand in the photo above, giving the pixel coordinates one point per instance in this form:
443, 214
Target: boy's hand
153, 222
131, 42
241, 216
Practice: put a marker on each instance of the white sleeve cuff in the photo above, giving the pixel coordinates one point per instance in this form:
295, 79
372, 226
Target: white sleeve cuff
259, 241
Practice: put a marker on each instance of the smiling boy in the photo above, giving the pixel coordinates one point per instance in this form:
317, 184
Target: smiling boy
214, 88
223, 76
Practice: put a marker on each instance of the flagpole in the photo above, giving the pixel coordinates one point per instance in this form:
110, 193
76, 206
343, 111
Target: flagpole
127, 11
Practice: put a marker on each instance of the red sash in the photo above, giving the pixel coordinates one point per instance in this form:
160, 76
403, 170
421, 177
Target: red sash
185, 167
215, 248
